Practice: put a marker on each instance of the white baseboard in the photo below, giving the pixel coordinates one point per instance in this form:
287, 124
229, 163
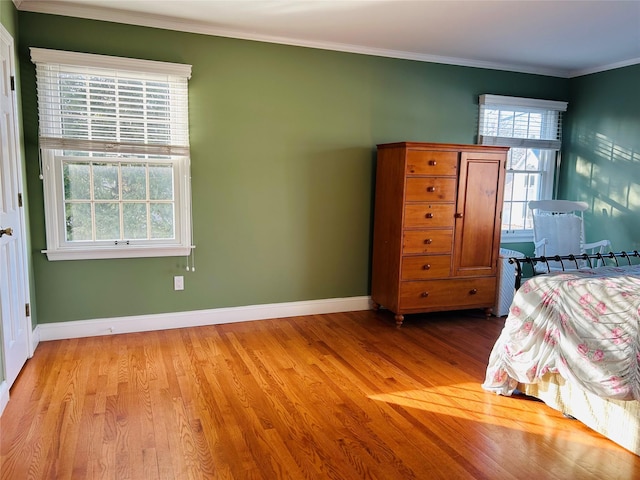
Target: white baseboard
4, 396
164, 321
35, 340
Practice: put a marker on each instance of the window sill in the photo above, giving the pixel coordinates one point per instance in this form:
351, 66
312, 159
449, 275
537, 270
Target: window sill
520, 237
98, 253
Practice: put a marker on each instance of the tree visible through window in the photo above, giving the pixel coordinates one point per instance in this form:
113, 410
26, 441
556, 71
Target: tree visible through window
532, 128
127, 200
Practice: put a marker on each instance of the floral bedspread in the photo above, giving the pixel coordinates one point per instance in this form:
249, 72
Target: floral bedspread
583, 325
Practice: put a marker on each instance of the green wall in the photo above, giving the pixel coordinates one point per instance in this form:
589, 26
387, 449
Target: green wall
283, 159
8, 16
601, 159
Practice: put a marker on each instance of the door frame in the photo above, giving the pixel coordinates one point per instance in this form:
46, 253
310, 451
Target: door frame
16, 131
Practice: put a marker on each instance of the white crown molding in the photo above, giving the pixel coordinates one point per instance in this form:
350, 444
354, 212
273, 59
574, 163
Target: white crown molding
604, 68
198, 318
159, 21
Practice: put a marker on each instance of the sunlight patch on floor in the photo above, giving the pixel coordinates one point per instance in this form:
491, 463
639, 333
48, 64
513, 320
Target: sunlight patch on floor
468, 401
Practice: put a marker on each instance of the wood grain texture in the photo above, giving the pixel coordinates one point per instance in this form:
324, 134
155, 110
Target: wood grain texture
338, 396
442, 190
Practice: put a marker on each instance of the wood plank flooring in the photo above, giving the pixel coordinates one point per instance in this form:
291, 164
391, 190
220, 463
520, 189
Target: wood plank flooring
338, 396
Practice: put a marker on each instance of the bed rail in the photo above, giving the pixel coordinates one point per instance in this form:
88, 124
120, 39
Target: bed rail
602, 259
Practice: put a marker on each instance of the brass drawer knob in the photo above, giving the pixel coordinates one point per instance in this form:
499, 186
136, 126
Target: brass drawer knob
458, 215
424, 294
428, 241
429, 215
431, 189
426, 267
473, 291
433, 163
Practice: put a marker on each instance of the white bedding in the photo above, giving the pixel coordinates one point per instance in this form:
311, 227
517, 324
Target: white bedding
617, 420
582, 325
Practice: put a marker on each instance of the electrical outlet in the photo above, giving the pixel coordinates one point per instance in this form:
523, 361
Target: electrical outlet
178, 283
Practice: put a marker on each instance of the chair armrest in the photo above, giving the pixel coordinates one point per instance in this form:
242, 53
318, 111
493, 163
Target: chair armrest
600, 246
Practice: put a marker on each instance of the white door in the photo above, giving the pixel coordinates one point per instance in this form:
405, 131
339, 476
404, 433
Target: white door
14, 291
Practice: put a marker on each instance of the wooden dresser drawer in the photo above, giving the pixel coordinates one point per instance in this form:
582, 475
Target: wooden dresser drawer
459, 293
430, 189
427, 241
426, 266
429, 215
424, 162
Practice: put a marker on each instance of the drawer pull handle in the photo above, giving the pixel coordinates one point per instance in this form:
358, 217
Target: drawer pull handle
426, 267
458, 215
431, 189
429, 215
433, 163
424, 294
473, 291
428, 241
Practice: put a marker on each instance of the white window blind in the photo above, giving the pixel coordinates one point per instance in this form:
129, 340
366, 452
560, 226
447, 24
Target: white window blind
114, 142
519, 122
106, 104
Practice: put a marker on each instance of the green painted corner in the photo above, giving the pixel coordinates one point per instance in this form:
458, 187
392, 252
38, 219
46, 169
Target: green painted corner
601, 158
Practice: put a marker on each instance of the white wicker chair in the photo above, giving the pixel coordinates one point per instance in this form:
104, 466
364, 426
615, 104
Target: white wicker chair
558, 229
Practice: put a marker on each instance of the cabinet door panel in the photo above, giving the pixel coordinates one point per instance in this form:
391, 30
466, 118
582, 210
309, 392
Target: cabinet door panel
478, 213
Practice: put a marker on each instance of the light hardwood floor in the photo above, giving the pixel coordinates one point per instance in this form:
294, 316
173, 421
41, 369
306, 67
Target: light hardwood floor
339, 396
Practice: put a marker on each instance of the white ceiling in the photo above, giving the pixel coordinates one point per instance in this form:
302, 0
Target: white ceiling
559, 38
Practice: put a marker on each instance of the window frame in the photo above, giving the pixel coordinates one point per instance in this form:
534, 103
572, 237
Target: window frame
549, 143
55, 148
58, 248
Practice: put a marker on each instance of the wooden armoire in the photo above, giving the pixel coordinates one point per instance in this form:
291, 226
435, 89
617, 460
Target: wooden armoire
436, 237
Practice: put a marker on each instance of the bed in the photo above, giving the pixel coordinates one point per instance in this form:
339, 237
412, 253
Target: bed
572, 340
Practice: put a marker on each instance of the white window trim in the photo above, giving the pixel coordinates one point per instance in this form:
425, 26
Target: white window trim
533, 103
51, 149
59, 249
90, 60
549, 175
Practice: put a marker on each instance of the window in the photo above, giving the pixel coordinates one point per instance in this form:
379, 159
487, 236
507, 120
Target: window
114, 145
532, 128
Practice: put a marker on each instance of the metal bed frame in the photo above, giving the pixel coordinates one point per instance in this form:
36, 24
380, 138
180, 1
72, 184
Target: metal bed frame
601, 260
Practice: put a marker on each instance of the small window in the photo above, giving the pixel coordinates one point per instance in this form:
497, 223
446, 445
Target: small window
114, 143
533, 130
